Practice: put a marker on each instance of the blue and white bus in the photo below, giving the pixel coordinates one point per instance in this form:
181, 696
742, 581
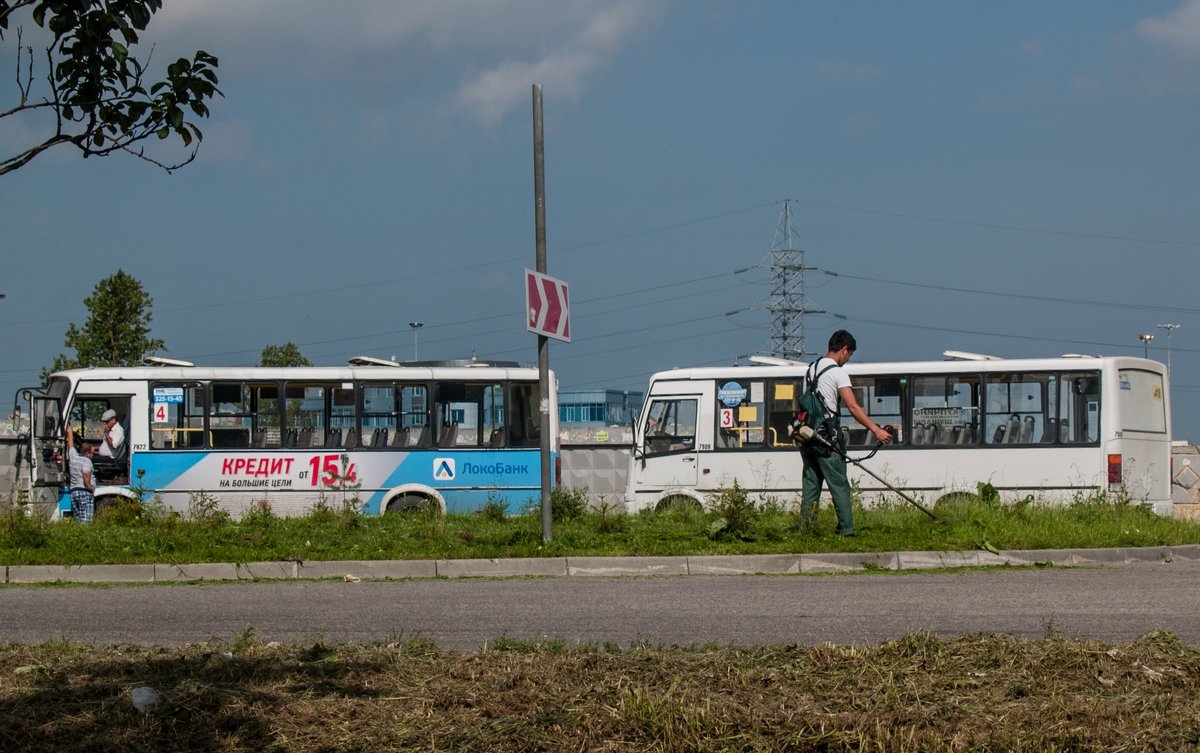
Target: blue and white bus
1054, 428
394, 436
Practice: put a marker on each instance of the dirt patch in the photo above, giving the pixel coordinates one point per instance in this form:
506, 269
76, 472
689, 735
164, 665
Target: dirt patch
920, 693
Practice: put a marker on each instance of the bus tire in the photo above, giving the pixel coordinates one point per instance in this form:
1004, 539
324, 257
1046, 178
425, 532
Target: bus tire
105, 503
409, 502
956, 499
678, 502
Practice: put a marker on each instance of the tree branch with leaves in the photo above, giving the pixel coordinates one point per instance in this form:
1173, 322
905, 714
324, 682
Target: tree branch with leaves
95, 87
117, 330
287, 354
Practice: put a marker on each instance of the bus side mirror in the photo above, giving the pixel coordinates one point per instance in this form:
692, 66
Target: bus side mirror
636, 447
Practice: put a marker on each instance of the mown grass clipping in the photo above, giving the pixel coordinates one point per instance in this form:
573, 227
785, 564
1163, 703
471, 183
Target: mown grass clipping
920, 693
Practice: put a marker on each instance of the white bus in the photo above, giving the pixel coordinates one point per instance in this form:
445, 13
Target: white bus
1053, 428
393, 435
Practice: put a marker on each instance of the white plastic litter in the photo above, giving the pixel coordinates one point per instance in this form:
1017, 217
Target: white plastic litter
145, 699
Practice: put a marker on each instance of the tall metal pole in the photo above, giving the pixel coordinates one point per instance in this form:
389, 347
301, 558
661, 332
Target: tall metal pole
539, 210
1170, 328
1146, 338
415, 326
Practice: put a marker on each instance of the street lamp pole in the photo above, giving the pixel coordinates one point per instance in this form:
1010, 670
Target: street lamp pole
1170, 328
1146, 337
415, 326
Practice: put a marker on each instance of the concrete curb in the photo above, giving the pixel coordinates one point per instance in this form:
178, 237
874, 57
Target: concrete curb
555, 567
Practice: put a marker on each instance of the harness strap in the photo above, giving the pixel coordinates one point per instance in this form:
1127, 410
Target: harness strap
814, 381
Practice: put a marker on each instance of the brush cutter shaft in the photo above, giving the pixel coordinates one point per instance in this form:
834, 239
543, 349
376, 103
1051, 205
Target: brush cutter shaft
806, 434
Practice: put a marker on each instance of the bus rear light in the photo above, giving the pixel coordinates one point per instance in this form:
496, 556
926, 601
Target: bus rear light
1114, 470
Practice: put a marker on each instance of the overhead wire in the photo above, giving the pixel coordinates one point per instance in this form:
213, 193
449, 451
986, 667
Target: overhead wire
1003, 226
642, 233
1019, 296
515, 314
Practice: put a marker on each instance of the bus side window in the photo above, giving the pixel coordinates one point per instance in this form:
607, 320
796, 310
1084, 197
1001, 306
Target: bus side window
784, 405
176, 416
1079, 410
882, 398
670, 426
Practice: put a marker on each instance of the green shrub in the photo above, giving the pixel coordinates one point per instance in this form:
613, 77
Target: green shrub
567, 504
735, 513
20, 530
609, 518
205, 509
119, 511
495, 510
259, 516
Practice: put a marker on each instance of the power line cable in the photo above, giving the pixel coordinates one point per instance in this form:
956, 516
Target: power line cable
1033, 338
515, 314
1022, 296
1000, 226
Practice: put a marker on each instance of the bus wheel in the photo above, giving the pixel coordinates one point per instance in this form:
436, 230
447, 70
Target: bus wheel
955, 500
103, 504
116, 509
411, 502
678, 503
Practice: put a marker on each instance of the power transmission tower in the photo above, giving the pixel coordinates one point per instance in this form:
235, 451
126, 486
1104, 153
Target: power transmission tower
788, 304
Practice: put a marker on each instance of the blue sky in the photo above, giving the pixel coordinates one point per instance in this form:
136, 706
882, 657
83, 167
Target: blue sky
1017, 178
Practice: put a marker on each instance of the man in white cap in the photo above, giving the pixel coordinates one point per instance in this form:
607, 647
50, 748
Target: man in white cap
113, 445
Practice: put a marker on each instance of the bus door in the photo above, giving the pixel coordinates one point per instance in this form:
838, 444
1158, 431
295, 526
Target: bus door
87, 416
47, 447
666, 451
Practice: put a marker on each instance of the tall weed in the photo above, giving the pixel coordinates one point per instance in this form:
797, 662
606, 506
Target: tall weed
735, 513
20, 530
567, 504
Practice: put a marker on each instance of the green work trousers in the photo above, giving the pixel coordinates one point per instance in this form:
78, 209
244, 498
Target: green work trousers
831, 471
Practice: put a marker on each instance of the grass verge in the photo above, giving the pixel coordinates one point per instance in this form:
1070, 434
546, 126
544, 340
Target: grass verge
729, 524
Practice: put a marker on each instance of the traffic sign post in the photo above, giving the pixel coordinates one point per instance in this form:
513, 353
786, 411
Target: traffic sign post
539, 228
547, 306
547, 310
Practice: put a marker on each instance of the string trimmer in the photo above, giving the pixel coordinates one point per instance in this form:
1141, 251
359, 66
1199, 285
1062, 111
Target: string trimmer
806, 434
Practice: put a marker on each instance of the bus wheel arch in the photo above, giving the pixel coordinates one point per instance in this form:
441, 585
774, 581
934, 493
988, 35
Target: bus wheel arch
108, 498
679, 499
412, 498
950, 498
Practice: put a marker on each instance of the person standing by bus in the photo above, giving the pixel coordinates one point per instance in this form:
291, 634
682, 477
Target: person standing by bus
82, 478
823, 465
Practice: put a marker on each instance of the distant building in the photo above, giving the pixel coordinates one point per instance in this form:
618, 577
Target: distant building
582, 408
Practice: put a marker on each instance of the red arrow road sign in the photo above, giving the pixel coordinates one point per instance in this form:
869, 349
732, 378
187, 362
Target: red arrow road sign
546, 306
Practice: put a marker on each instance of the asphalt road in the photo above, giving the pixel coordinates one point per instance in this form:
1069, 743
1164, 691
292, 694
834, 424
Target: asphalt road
1116, 603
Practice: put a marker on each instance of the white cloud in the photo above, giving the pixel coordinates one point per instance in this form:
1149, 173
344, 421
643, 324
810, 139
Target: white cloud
562, 69
1178, 31
482, 56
